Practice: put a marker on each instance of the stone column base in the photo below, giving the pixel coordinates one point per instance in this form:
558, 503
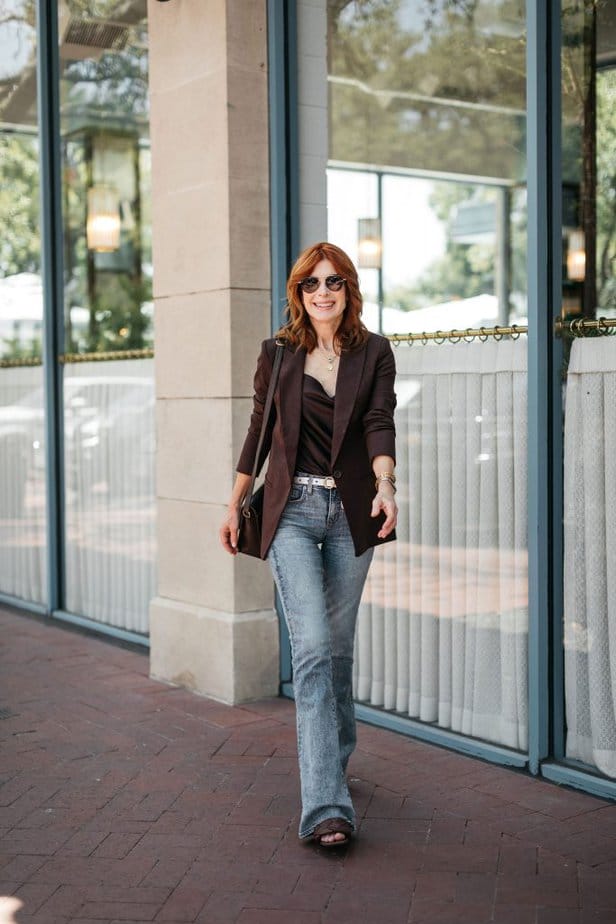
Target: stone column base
229, 657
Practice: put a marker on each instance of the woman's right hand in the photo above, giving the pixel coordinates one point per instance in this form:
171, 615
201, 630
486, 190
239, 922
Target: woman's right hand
230, 525
229, 530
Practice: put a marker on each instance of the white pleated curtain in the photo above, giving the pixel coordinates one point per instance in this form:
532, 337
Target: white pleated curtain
442, 629
109, 492
22, 484
590, 553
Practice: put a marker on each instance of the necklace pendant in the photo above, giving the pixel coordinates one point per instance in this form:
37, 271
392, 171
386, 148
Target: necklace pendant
330, 366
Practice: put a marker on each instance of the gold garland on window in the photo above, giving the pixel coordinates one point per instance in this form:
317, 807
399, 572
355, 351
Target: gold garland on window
579, 327
65, 358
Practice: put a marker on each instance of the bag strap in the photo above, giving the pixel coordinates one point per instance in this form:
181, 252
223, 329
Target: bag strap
266, 416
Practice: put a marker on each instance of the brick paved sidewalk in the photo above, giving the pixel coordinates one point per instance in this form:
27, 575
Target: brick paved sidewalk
125, 800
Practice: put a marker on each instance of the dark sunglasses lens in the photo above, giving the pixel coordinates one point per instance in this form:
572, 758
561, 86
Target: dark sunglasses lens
311, 283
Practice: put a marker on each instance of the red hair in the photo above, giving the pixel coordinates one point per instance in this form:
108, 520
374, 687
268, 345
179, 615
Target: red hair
298, 330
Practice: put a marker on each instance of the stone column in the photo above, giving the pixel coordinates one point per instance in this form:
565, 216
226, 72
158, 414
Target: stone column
212, 626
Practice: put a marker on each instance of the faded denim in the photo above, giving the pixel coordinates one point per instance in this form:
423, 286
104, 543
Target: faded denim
320, 582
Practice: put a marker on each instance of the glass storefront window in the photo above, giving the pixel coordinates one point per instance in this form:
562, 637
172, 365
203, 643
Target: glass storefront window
589, 293
426, 138
108, 425
108, 401
22, 485
448, 150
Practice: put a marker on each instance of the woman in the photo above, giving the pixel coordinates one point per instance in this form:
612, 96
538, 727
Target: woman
329, 499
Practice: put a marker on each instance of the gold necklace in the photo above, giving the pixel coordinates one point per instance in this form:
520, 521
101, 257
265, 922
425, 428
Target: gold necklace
330, 358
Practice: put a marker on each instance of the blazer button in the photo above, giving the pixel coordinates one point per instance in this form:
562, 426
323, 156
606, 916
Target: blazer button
337, 473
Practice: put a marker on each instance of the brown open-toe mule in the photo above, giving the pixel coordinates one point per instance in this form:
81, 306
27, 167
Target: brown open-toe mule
332, 826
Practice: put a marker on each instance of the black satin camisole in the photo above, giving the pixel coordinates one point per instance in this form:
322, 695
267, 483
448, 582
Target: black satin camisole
317, 427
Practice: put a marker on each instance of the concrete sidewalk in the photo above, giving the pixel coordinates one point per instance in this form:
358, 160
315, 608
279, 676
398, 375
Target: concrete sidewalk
125, 800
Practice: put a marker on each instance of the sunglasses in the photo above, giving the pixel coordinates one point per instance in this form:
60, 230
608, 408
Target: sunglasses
311, 283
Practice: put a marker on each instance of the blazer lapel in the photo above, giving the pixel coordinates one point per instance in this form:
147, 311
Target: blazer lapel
347, 387
290, 397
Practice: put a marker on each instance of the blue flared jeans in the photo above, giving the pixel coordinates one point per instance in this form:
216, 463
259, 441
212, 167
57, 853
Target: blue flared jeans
320, 582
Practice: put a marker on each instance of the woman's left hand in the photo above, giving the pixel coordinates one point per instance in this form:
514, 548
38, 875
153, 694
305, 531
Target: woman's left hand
385, 502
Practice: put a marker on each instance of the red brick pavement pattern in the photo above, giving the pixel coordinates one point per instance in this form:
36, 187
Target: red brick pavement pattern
124, 800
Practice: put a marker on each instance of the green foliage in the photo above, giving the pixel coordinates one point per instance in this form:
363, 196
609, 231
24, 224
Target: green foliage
20, 248
117, 318
442, 94
606, 190
116, 86
18, 348
463, 271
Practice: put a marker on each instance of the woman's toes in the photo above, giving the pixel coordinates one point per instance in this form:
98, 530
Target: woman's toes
330, 838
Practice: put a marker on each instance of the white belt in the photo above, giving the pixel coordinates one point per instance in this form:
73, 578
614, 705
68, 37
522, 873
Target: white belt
327, 482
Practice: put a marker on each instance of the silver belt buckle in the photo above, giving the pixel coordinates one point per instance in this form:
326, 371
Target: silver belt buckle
328, 482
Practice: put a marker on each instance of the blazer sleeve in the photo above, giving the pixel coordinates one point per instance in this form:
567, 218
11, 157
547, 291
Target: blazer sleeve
378, 420
262, 377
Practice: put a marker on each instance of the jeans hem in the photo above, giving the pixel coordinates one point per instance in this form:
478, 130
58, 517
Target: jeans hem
305, 837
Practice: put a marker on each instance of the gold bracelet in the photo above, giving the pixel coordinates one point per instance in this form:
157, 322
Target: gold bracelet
385, 476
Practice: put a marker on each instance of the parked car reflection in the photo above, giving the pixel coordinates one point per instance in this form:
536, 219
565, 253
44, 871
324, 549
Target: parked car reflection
114, 448
108, 439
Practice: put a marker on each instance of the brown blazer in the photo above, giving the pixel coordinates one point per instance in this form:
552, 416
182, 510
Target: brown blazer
363, 429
